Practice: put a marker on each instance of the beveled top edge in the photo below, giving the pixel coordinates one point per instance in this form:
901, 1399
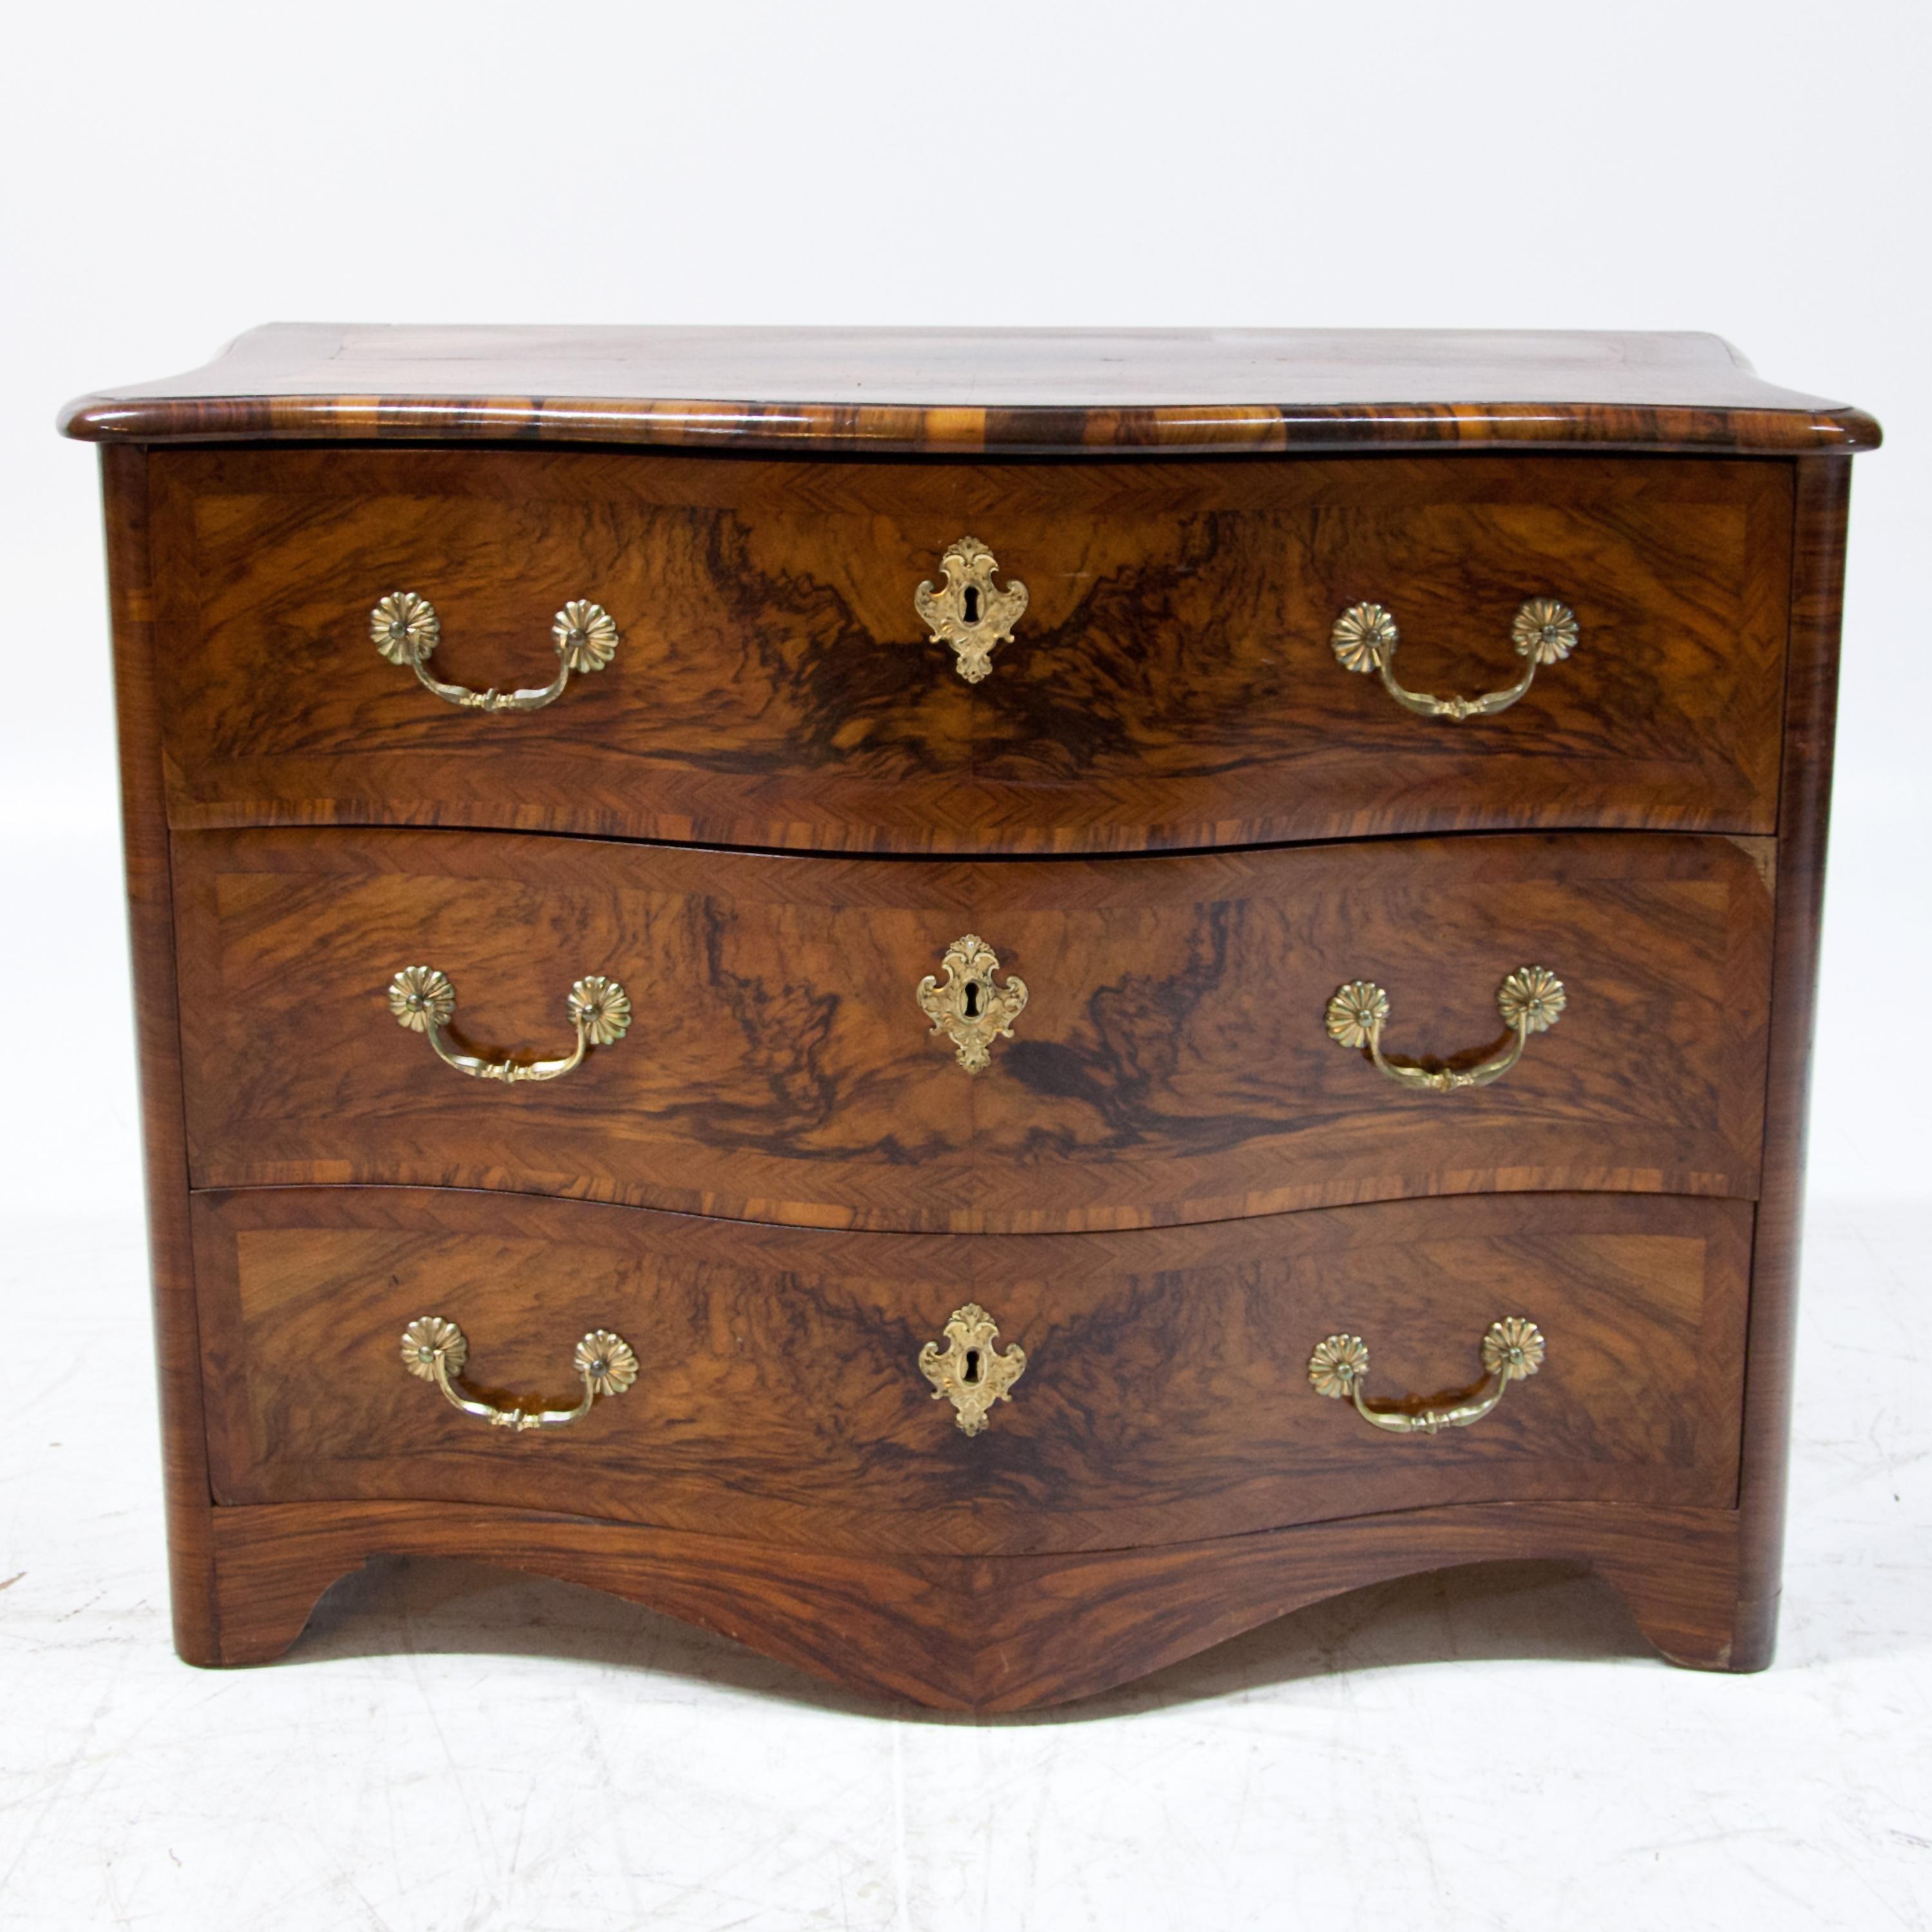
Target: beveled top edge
1019, 391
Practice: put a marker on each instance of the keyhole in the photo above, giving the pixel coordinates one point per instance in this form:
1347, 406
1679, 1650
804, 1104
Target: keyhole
972, 1374
972, 603
972, 999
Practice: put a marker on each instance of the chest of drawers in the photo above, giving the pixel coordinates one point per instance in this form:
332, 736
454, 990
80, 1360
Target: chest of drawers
977, 1007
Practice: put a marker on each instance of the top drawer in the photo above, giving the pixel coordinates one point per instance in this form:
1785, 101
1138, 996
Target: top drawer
1171, 681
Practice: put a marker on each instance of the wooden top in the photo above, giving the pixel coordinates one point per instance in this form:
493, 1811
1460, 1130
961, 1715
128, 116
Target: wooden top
1020, 391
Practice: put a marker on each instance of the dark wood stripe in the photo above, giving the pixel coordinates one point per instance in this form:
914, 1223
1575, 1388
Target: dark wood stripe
825, 428
151, 933
1817, 586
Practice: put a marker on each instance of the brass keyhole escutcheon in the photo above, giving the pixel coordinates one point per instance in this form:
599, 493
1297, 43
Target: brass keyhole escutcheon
966, 1006
972, 614
969, 1372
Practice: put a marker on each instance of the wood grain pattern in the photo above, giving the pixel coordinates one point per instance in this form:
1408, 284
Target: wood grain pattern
1171, 1064
1170, 684
1166, 1397
1817, 584
1065, 392
985, 1634
191, 1577
1164, 1478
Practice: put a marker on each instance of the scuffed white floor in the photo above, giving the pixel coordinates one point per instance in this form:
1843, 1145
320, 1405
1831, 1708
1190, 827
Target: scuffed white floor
455, 1747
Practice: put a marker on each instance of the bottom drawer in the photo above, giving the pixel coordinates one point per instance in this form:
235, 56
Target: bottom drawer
1165, 1395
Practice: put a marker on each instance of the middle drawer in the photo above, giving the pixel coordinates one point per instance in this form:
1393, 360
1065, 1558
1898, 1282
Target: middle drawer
1176, 1057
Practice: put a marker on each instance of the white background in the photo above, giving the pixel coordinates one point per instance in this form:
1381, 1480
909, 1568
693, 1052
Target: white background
170, 175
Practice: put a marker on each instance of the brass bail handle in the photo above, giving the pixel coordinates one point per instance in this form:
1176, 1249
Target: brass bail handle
1512, 1351
423, 1000
1531, 1000
1364, 639
406, 630
435, 1349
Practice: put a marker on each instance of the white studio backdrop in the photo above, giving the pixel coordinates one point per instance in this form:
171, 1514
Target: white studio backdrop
169, 176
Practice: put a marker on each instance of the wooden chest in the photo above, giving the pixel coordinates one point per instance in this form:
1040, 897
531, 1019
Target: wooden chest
963, 1004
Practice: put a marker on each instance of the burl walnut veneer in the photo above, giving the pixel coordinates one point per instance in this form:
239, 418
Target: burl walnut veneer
978, 1007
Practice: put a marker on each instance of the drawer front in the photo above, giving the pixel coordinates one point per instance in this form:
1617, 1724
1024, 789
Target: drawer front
1173, 1061
1171, 681
1165, 1393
